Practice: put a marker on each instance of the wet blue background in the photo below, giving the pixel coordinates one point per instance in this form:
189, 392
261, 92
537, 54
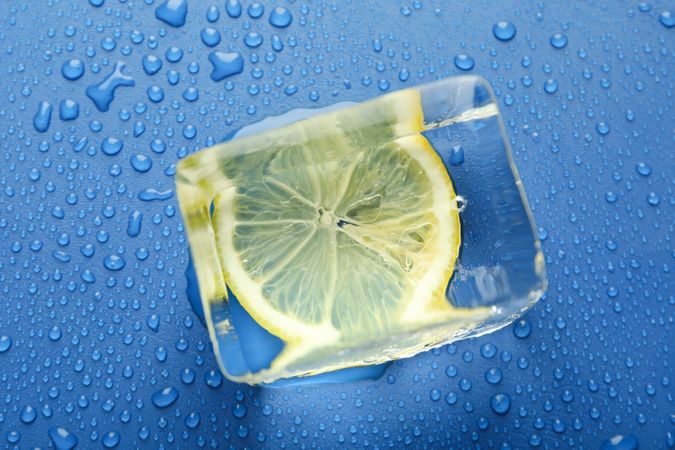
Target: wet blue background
86, 339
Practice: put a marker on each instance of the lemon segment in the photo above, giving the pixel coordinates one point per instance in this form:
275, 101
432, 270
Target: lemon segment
343, 234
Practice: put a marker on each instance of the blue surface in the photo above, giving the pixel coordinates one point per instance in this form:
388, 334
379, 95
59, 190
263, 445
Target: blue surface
107, 350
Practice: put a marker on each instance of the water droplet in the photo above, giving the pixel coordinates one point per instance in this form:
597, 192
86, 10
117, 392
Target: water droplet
233, 8
464, 62
602, 128
151, 64
192, 420
5, 343
239, 411
558, 40
28, 415
55, 333
43, 116
551, 86
165, 397
110, 439
456, 157
255, 10
155, 94
253, 39
114, 262
172, 12
620, 442
210, 36
500, 403
72, 69
493, 376
62, 438
667, 19
212, 14
504, 30
69, 109
103, 93
213, 379
653, 199
151, 194
174, 54
153, 322
522, 328
643, 169
140, 163
280, 17
225, 64
111, 146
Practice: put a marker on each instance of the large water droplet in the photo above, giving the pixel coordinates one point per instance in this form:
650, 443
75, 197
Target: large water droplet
43, 116
28, 415
504, 30
62, 438
233, 8
110, 439
500, 403
114, 262
225, 64
667, 19
280, 17
165, 397
69, 109
620, 442
464, 62
103, 93
151, 194
111, 146
210, 36
151, 64
172, 12
5, 343
558, 40
72, 69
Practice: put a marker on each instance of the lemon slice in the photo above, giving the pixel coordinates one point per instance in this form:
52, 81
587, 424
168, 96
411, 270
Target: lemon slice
344, 233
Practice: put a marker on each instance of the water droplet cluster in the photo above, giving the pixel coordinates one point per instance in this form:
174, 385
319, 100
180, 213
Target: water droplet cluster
101, 99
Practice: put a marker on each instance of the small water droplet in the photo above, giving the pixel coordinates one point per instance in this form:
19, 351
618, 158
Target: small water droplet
72, 69
5, 343
165, 397
280, 17
151, 64
500, 403
151, 194
111, 146
643, 169
114, 262
464, 62
233, 8
43, 116
110, 439
504, 30
210, 36
653, 199
28, 415
558, 40
522, 328
255, 10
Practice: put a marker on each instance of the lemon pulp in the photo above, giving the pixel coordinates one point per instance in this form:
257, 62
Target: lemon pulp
342, 232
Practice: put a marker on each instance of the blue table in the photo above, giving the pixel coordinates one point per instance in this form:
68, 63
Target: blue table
99, 99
